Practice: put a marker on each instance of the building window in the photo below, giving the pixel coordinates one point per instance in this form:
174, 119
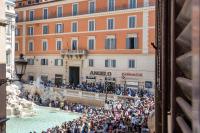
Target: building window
44, 45
59, 11
75, 9
45, 29
17, 32
131, 64
91, 62
91, 43
74, 45
59, 28
17, 17
19, 4
74, 26
16, 46
91, 25
132, 42
132, 4
30, 31
110, 23
92, 6
30, 46
30, 61
58, 62
8, 29
110, 63
31, 15
45, 13
131, 22
110, 43
58, 44
111, 5
44, 61
29, 2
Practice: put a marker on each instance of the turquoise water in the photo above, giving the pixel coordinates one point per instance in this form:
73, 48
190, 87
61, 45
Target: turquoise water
45, 118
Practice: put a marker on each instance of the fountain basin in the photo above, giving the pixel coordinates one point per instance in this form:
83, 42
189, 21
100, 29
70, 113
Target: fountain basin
45, 118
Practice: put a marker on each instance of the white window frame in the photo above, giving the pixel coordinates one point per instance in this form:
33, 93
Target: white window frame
108, 5
30, 15
30, 41
113, 23
73, 9
89, 62
91, 20
111, 37
29, 30
59, 39
45, 40
62, 30
135, 21
91, 37
72, 26
89, 6
74, 38
57, 10
129, 2
47, 13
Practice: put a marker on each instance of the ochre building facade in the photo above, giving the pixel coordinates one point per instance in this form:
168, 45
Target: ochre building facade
71, 41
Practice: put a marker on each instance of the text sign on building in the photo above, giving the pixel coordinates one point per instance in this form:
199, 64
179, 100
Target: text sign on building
124, 75
100, 73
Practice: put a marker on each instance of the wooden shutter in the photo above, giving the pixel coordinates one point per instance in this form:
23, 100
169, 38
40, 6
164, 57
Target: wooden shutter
177, 66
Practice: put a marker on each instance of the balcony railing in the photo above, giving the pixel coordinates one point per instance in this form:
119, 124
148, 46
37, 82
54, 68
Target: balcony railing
98, 10
70, 52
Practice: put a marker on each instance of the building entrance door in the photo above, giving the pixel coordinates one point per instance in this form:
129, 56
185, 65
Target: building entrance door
58, 80
74, 75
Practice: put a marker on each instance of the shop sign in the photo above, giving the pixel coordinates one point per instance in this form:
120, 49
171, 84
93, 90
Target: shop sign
90, 77
100, 73
124, 75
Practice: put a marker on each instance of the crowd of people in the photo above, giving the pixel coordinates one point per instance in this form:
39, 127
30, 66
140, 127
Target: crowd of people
125, 116
99, 88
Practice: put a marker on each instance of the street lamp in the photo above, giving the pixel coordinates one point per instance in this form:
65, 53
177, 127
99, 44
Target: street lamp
20, 66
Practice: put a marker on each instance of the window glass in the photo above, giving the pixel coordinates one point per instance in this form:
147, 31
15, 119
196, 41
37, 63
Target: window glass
75, 9
132, 3
30, 46
45, 29
131, 22
110, 24
91, 25
111, 5
92, 7
91, 44
59, 11
31, 15
44, 45
58, 45
45, 13
74, 45
74, 27
131, 64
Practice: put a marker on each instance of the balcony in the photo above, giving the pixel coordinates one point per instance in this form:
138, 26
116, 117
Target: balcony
86, 12
73, 54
